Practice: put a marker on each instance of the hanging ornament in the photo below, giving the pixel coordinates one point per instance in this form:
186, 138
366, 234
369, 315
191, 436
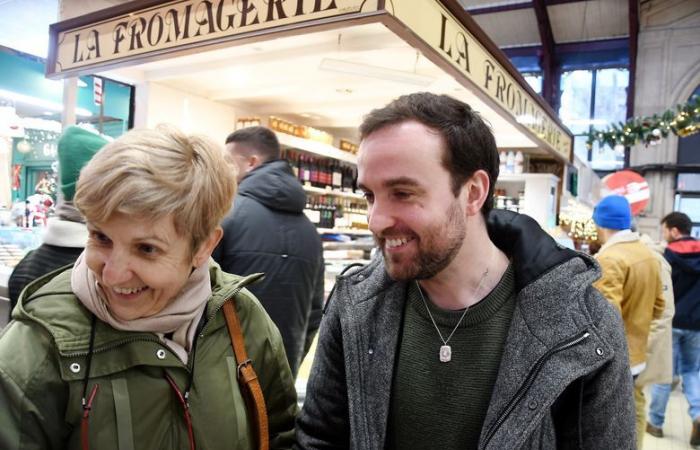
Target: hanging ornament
683, 121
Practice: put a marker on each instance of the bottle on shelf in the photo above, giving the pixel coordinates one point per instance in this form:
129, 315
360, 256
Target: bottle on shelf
337, 177
519, 162
305, 170
510, 162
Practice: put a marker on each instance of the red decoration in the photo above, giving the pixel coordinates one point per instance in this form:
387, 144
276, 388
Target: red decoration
632, 186
16, 172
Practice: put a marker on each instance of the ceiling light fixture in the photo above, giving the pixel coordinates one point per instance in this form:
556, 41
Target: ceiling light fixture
376, 72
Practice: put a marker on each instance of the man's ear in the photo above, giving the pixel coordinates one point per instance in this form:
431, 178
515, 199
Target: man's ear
676, 233
253, 162
474, 192
206, 248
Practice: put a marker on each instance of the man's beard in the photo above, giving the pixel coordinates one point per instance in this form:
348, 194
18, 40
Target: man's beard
437, 247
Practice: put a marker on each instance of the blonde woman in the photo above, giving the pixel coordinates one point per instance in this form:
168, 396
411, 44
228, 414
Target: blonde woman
130, 348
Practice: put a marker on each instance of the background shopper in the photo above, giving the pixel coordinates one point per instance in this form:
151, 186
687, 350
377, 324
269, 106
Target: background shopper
683, 253
267, 231
66, 234
631, 281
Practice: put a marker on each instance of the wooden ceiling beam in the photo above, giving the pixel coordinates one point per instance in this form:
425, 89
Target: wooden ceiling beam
499, 8
549, 57
634, 34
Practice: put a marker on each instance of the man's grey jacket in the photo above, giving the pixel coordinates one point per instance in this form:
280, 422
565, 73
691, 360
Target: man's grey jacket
564, 379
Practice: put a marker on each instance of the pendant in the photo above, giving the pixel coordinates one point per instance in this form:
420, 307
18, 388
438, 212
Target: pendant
445, 353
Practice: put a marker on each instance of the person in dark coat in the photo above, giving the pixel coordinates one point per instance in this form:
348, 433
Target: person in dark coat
268, 232
683, 254
66, 234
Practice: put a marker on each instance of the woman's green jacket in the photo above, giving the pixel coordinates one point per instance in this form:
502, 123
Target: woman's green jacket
43, 376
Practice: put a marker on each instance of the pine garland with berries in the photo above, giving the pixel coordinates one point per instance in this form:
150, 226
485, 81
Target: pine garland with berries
650, 130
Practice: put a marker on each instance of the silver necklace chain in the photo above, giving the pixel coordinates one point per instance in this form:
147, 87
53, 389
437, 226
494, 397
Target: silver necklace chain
432, 319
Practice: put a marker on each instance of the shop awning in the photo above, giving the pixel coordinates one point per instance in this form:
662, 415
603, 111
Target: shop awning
326, 61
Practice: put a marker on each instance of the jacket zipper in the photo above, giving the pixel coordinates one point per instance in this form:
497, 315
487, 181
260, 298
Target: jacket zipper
528, 383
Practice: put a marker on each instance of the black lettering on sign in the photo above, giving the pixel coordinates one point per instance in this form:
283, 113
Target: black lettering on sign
462, 58
204, 18
91, 49
247, 8
510, 96
138, 26
93, 44
271, 6
219, 17
443, 28
76, 49
458, 41
300, 8
490, 68
317, 6
118, 35
500, 86
154, 32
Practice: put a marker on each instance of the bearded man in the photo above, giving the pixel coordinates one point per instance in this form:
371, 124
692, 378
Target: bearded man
472, 328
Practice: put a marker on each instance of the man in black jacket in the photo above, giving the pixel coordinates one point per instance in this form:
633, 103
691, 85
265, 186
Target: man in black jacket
268, 232
683, 254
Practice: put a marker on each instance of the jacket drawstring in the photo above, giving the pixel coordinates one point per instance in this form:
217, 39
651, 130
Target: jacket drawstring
185, 407
87, 404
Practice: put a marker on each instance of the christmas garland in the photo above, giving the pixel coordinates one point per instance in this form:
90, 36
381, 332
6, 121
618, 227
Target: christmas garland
650, 130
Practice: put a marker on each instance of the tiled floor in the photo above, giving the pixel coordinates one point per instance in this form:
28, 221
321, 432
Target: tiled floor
677, 427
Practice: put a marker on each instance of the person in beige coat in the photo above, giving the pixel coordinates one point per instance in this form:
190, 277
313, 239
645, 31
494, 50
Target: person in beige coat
631, 281
659, 369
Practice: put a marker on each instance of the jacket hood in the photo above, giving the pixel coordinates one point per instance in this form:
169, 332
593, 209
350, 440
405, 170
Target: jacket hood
533, 252
274, 185
684, 254
620, 237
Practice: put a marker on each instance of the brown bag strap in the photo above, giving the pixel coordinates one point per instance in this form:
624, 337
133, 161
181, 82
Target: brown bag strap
247, 376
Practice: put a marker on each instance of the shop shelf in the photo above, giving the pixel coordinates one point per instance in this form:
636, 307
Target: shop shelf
328, 191
317, 148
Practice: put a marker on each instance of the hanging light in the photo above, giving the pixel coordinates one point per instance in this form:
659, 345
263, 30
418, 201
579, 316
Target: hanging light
24, 146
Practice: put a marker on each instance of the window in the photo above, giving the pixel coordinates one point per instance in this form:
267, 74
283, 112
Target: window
690, 205
534, 80
594, 98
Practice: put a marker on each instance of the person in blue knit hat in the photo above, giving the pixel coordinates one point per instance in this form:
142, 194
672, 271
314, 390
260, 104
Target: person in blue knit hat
631, 281
66, 234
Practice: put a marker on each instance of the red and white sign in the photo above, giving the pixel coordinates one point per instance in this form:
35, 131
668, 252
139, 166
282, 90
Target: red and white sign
631, 185
97, 90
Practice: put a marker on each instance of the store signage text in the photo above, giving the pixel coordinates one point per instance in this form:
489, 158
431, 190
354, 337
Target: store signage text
458, 42
184, 22
437, 27
515, 99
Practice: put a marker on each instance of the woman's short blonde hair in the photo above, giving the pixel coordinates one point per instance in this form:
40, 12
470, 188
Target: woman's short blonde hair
155, 173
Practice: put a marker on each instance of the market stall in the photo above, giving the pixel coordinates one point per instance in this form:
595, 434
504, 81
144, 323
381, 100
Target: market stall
310, 69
